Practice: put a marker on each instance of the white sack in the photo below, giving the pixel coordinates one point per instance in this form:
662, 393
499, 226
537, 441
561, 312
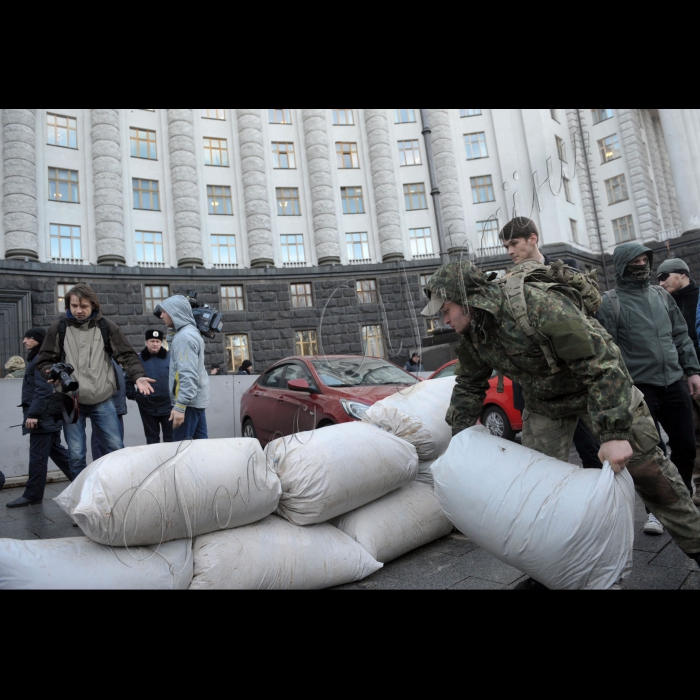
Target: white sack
397, 523
80, 563
170, 491
566, 527
275, 554
425, 473
328, 472
417, 414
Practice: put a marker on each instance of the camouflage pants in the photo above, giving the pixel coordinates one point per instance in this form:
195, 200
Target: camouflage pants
655, 477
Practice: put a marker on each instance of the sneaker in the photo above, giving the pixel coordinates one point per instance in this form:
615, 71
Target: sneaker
652, 526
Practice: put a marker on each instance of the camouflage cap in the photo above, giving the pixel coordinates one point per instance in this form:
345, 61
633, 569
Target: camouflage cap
458, 281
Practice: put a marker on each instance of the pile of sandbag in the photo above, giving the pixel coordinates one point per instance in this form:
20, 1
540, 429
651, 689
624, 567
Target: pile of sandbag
316, 509
567, 527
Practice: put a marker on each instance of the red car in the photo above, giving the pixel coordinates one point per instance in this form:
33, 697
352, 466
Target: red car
302, 393
499, 415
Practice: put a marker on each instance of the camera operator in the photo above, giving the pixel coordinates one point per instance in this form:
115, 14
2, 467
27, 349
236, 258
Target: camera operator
42, 422
189, 382
86, 342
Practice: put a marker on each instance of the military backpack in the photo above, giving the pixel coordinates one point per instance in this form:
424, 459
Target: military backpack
580, 287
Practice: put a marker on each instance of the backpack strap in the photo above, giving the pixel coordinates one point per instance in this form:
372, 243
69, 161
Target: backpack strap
62, 323
104, 328
615, 303
515, 297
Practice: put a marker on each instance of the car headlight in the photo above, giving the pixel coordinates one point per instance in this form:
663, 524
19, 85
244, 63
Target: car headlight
355, 409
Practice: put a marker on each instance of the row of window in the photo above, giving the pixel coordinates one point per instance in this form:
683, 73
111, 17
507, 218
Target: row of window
66, 244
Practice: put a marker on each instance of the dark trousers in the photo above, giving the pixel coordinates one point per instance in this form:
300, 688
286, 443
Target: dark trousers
152, 426
672, 407
587, 447
194, 427
41, 447
97, 444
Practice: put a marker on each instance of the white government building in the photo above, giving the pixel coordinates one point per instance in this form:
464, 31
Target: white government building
250, 188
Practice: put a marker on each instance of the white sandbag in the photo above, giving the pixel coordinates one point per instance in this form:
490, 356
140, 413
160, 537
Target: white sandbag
397, 523
567, 527
80, 563
275, 554
170, 491
425, 473
328, 472
417, 414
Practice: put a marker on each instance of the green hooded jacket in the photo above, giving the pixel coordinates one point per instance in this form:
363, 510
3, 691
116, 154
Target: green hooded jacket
651, 331
597, 383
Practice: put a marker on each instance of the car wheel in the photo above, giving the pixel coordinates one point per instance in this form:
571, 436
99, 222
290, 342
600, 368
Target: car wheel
496, 422
249, 429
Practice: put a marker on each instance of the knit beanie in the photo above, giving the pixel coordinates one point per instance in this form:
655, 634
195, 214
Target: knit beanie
36, 334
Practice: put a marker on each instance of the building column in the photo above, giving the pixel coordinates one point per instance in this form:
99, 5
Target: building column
20, 210
667, 177
384, 184
107, 184
183, 173
681, 160
447, 180
255, 194
322, 199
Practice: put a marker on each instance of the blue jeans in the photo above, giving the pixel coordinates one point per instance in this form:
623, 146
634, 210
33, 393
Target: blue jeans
194, 427
96, 443
104, 418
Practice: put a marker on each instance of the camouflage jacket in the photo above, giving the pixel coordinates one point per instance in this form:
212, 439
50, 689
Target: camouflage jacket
591, 378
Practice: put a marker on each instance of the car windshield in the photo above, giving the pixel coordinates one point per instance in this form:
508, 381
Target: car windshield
359, 371
447, 372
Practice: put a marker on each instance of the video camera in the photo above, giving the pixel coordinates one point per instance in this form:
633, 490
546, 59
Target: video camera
209, 320
61, 372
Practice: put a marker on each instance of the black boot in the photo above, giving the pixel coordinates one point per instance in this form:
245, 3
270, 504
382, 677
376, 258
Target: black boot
21, 502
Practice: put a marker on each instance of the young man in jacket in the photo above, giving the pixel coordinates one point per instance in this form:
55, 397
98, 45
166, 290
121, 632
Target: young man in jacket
652, 335
154, 409
89, 343
591, 383
42, 422
189, 382
674, 277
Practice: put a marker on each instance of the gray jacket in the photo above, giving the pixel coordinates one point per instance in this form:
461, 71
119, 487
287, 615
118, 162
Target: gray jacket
189, 382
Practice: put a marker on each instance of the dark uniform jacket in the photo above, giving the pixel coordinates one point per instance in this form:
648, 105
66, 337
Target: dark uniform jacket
597, 383
157, 367
39, 400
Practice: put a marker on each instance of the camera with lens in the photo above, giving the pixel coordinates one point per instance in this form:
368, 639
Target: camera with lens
60, 372
209, 320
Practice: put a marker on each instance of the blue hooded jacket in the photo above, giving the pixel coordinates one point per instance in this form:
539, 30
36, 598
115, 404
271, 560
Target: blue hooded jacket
189, 382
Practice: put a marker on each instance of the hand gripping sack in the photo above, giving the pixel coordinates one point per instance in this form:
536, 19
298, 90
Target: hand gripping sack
80, 563
399, 522
417, 414
170, 491
567, 527
328, 472
275, 554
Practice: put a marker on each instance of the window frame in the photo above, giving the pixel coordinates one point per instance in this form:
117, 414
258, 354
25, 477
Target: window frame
73, 185
307, 295
475, 186
364, 339
226, 200
353, 153
229, 352
597, 118
363, 243
611, 188
345, 199
368, 295
427, 241
157, 246
225, 299
474, 113
629, 226
295, 201
289, 154
211, 149
409, 194
217, 246
312, 342
286, 116
68, 129
135, 138
336, 117
480, 144
409, 113
602, 149
151, 298
286, 246
207, 115
413, 150
70, 237
140, 190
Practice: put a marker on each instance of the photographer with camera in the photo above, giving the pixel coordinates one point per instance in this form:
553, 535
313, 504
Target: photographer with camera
42, 422
77, 357
189, 382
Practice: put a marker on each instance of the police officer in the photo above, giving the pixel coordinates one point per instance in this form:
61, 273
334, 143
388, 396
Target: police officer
589, 382
154, 408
